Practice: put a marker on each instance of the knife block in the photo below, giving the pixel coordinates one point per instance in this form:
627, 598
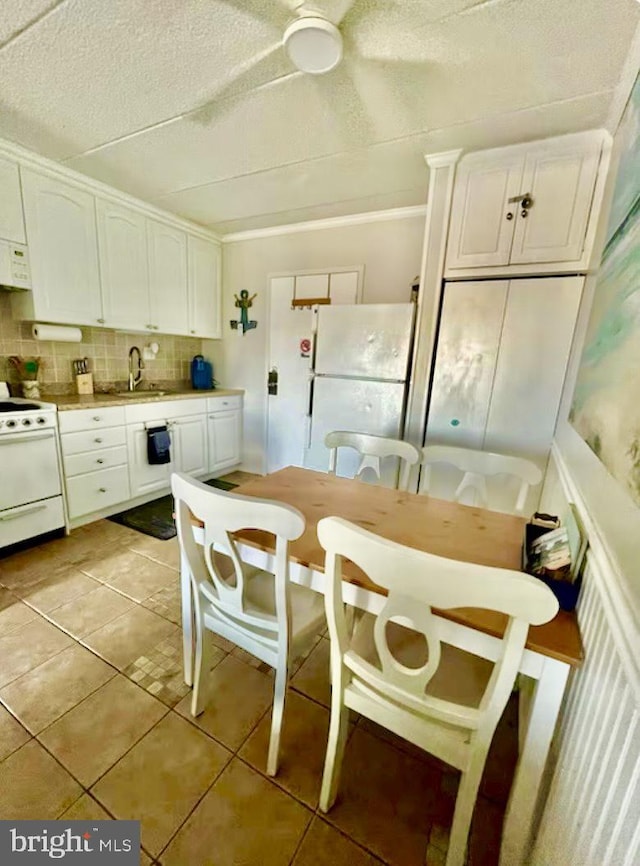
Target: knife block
84, 383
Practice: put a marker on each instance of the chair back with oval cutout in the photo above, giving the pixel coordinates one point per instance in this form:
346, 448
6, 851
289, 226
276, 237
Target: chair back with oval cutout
476, 467
373, 449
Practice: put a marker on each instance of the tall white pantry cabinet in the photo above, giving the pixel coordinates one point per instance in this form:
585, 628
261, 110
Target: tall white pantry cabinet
520, 234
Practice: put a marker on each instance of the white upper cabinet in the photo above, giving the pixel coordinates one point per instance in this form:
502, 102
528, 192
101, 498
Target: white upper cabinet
167, 249
561, 179
123, 266
11, 219
526, 208
61, 233
103, 258
481, 217
204, 288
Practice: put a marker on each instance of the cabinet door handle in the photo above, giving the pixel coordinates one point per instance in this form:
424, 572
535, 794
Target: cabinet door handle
98, 439
97, 418
22, 512
100, 321
99, 460
102, 489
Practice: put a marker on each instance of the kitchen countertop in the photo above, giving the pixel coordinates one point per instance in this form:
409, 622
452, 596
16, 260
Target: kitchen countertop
65, 402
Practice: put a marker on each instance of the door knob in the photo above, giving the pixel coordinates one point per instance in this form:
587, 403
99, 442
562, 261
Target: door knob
272, 382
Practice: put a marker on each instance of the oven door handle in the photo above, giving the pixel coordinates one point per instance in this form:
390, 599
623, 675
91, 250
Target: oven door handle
20, 512
27, 437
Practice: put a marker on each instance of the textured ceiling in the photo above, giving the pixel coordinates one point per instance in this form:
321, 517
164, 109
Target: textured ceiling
195, 106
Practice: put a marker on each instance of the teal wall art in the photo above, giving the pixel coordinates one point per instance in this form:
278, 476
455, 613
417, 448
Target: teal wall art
606, 401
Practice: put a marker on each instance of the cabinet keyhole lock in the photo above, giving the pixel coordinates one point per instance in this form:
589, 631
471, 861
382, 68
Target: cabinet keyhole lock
509, 216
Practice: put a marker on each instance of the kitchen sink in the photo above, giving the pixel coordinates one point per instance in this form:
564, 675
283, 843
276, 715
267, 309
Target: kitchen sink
149, 392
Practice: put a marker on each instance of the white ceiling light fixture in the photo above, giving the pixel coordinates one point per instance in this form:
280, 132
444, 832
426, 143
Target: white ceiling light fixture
313, 44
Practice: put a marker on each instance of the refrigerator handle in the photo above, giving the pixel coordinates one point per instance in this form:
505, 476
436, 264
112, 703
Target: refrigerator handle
309, 419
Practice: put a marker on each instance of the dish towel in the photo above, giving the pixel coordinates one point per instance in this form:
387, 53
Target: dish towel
158, 445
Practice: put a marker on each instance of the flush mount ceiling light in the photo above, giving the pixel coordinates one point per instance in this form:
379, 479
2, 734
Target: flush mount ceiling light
313, 44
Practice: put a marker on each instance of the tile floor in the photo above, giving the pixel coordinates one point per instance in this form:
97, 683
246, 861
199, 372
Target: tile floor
95, 723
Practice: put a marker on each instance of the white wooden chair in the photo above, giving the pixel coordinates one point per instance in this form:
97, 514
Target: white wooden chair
450, 701
372, 449
477, 466
261, 612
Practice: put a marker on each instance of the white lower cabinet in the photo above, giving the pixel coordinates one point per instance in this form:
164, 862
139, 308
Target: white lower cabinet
225, 431
189, 438
105, 454
144, 477
187, 426
94, 459
95, 491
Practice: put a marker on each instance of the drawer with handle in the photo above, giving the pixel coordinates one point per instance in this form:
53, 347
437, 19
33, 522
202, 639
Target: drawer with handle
93, 461
29, 520
97, 490
223, 404
90, 419
92, 440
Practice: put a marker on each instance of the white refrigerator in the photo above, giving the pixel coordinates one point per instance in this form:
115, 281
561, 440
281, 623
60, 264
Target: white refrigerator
359, 378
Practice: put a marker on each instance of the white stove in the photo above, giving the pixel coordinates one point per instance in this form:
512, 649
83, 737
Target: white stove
30, 480
19, 416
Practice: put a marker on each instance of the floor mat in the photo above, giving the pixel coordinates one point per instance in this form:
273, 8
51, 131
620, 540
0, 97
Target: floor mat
156, 517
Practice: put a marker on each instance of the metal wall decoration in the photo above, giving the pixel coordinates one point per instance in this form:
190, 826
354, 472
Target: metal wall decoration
243, 302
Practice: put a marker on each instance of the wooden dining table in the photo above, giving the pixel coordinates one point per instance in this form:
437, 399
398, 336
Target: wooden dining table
447, 529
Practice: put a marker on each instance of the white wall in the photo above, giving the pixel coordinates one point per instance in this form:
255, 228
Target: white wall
390, 252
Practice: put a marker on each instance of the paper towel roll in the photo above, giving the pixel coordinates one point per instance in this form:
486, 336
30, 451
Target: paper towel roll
59, 333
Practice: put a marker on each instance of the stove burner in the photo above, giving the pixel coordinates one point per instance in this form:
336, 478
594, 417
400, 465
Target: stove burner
9, 406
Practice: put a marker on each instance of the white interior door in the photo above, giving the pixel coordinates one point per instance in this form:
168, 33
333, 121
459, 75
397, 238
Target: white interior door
290, 361
290, 345
343, 287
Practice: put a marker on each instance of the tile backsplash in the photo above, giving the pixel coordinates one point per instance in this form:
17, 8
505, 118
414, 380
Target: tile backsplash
107, 351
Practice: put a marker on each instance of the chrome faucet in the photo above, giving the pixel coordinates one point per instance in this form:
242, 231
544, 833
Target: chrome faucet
135, 379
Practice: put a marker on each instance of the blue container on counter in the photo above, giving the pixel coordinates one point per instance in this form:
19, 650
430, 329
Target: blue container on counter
201, 373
